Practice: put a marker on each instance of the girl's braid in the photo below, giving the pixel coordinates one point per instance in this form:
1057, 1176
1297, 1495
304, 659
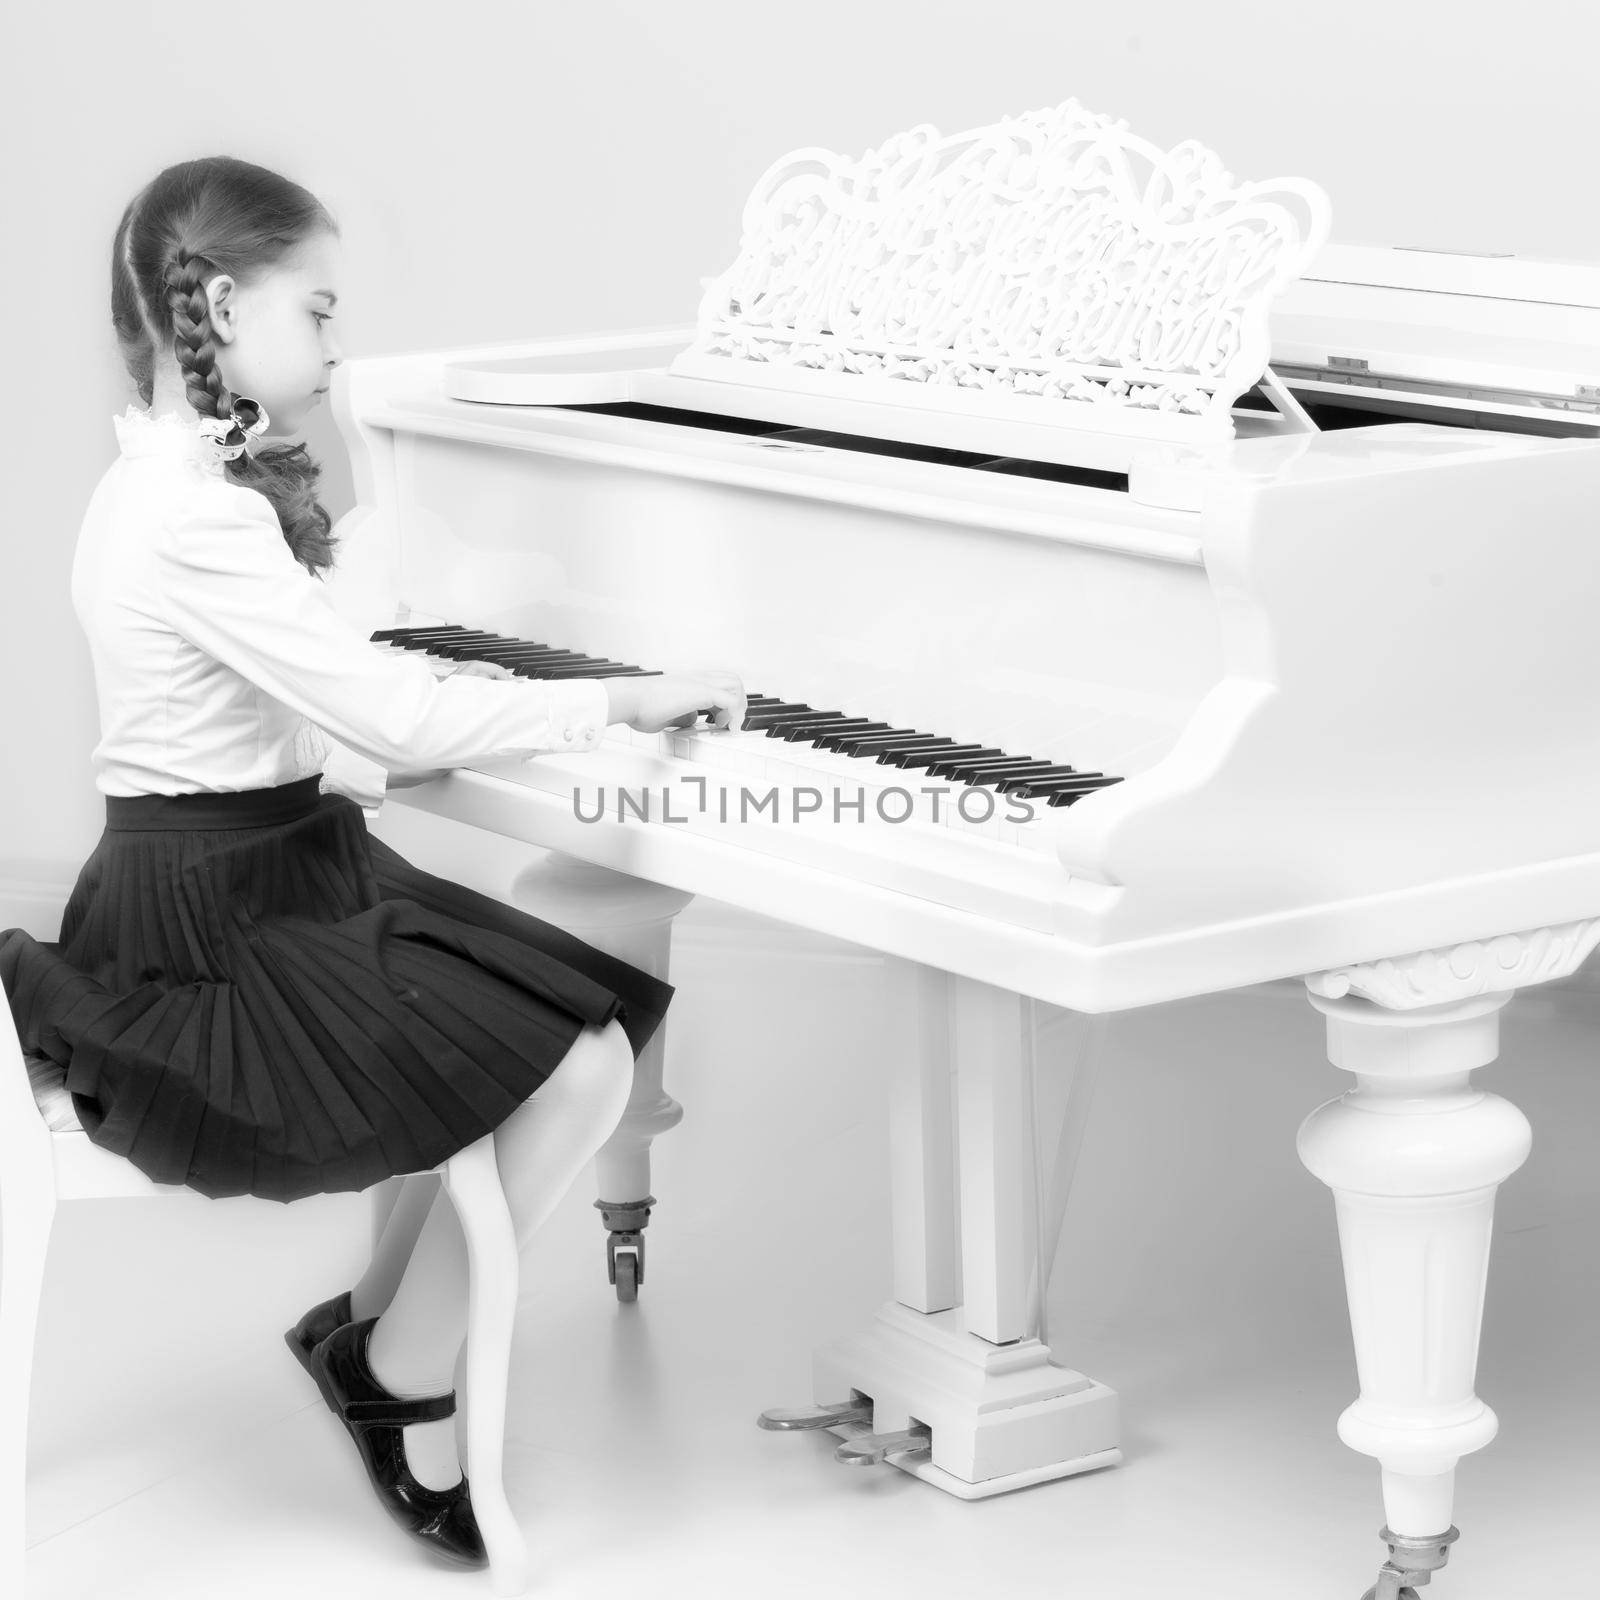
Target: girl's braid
193, 345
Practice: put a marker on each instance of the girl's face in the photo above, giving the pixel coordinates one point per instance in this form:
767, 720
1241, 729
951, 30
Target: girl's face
277, 339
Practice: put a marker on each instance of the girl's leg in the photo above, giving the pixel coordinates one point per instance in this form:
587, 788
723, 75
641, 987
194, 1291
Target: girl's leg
372, 1294
540, 1149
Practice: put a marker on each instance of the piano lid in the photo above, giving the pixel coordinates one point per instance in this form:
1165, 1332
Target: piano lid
1443, 333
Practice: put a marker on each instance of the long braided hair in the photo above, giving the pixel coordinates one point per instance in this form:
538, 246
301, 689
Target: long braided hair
192, 221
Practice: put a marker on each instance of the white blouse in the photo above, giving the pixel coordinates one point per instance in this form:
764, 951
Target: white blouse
221, 663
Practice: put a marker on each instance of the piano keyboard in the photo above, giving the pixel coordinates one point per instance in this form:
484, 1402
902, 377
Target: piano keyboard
833, 750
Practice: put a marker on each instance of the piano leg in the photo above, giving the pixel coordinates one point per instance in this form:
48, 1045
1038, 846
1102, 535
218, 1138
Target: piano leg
630, 918
1414, 1154
956, 1371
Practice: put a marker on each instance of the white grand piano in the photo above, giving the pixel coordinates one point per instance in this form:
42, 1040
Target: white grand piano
1094, 662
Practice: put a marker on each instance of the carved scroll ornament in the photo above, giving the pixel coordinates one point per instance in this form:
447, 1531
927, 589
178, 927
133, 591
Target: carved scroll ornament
1459, 972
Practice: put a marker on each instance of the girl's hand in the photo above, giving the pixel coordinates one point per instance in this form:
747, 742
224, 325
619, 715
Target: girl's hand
671, 699
667, 700
481, 669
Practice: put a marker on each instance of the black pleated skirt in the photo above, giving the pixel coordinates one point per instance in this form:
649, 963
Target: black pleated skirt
252, 995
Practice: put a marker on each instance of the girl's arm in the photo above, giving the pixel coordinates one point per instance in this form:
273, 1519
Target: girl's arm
229, 585
649, 704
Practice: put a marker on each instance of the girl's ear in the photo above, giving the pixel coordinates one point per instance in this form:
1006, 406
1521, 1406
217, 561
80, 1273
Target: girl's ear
222, 297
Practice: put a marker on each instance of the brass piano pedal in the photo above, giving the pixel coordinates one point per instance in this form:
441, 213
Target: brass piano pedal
829, 1416
871, 1449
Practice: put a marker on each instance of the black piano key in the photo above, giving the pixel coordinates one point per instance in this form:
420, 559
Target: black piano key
990, 769
883, 749
941, 766
1065, 797
870, 749
881, 733
543, 658
457, 636
999, 765
991, 777
880, 751
787, 708
543, 665
576, 663
982, 768
541, 652
835, 741
1009, 783
776, 727
585, 669
506, 647
458, 642
960, 767
532, 646
814, 719
477, 651
394, 635
921, 755
1051, 788
810, 732
1064, 780
566, 665
1084, 781
424, 642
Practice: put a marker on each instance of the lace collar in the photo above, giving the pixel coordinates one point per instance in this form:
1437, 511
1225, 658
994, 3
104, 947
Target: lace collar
141, 434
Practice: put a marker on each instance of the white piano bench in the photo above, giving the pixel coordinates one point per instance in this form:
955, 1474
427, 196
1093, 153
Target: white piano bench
629, 918
46, 1159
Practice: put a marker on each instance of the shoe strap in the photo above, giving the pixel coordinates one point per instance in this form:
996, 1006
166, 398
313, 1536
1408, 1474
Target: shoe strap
400, 1413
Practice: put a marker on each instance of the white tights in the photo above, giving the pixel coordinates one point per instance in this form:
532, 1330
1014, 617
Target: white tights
417, 1283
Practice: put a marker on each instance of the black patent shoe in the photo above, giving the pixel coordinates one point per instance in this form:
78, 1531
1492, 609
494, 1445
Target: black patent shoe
442, 1519
311, 1330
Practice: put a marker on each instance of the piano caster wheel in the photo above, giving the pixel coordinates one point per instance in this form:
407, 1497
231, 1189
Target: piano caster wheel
1411, 1561
625, 1243
626, 1269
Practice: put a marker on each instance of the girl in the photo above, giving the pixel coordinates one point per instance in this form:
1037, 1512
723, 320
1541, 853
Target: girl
250, 994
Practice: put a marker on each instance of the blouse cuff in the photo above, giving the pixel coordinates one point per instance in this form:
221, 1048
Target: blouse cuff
578, 717
347, 773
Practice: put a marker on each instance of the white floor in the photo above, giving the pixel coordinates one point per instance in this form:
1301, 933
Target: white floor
177, 1450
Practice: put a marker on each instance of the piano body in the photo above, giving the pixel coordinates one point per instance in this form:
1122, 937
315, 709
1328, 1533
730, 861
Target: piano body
1328, 624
